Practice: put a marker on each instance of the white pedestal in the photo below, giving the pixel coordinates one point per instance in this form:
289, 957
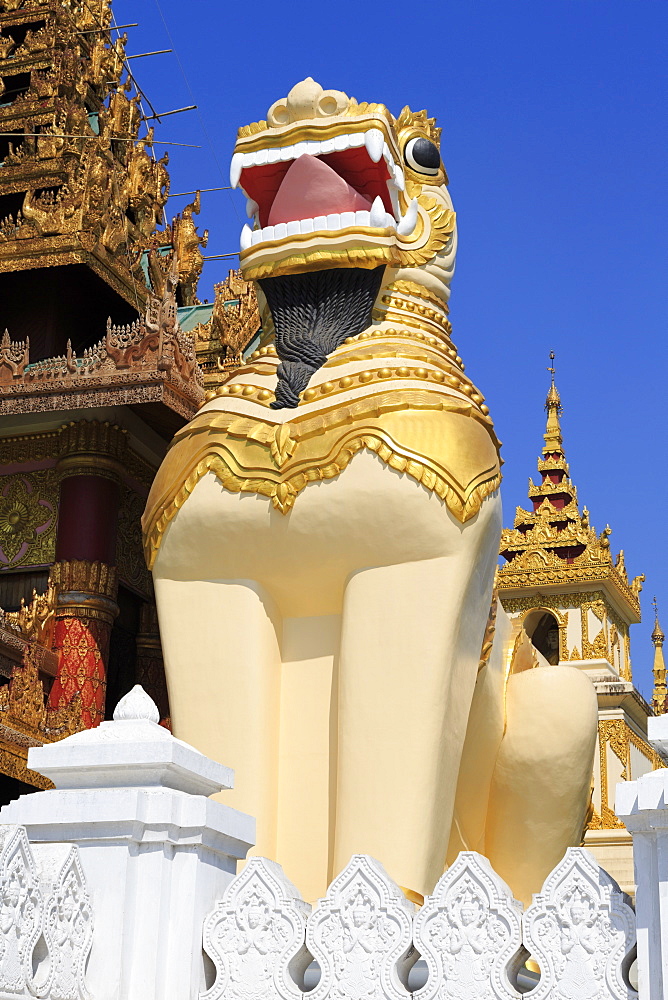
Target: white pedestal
643, 807
156, 852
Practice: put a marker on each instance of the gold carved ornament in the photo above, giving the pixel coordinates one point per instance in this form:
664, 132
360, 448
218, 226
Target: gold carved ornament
234, 321
28, 514
278, 460
35, 620
618, 735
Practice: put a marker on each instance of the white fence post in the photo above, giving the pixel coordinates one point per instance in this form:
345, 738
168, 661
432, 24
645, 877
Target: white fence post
255, 936
581, 930
469, 931
156, 852
360, 934
643, 807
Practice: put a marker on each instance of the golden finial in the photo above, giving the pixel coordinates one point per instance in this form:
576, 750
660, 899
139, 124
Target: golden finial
660, 693
553, 402
657, 635
553, 406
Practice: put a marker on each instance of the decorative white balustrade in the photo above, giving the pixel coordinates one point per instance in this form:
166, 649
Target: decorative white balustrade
46, 919
365, 936
120, 884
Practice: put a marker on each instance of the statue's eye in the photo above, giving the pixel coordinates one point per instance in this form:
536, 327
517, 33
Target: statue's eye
422, 155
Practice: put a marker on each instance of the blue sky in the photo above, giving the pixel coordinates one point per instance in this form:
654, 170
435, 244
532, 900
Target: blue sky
554, 137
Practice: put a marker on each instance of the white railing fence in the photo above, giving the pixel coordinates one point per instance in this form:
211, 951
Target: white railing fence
472, 935
121, 884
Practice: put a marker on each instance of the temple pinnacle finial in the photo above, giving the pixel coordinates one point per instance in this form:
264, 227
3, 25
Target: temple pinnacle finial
657, 635
660, 692
553, 442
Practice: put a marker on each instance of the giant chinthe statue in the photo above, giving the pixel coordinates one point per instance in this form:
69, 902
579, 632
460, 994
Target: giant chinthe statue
324, 536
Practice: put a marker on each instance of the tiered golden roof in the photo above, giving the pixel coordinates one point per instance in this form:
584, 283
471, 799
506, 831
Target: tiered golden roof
234, 322
553, 543
83, 195
75, 185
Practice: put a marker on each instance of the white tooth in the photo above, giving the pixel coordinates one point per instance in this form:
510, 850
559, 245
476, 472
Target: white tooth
299, 149
362, 219
312, 148
273, 155
251, 207
268, 233
306, 226
280, 231
319, 223
389, 159
394, 198
356, 139
390, 221
334, 221
246, 237
373, 140
293, 228
258, 236
236, 166
261, 157
347, 219
341, 142
407, 224
327, 146
399, 177
377, 214
287, 152
249, 160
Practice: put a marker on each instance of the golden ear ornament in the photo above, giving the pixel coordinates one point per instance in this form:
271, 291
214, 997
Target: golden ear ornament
419, 121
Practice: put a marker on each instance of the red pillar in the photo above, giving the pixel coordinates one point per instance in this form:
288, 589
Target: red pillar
84, 573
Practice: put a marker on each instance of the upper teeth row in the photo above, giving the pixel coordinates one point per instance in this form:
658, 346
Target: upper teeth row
376, 218
373, 140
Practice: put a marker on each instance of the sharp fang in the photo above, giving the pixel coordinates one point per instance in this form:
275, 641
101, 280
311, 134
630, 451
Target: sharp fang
399, 177
377, 215
252, 207
236, 164
373, 140
246, 237
407, 224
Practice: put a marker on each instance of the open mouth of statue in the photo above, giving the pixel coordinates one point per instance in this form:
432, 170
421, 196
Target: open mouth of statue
350, 182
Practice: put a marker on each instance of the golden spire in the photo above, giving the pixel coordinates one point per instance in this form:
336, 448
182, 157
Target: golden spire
553, 440
552, 541
660, 693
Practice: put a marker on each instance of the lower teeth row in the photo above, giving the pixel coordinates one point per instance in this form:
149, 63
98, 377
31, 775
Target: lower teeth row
343, 220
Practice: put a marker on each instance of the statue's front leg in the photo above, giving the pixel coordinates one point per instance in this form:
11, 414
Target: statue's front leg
410, 648
223, 667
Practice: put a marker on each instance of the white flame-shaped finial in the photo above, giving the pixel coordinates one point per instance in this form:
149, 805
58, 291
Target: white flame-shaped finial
136, 705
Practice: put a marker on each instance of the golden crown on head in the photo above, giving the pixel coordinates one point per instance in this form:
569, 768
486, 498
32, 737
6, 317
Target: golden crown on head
420, 120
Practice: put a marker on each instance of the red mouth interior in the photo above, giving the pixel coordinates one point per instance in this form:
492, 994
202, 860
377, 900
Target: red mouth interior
298, 189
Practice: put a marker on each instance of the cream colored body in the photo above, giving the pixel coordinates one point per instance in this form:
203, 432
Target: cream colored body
335, 657
331, 658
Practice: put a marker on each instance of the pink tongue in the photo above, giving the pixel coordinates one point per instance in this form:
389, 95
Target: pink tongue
311, 188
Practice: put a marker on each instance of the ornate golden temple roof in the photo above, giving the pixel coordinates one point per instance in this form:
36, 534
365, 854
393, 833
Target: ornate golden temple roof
553, 544
232, 325
82, 198
75, 184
